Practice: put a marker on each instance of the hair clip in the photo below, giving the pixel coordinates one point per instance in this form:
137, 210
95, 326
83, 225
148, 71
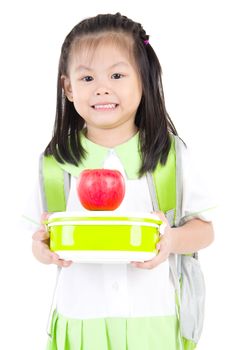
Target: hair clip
146, 42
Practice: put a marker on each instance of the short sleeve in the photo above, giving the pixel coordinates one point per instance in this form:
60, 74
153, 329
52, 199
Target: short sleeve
198, 200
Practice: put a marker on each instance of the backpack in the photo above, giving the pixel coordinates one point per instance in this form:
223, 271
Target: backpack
165, 186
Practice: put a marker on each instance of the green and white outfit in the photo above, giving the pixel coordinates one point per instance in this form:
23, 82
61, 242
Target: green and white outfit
117, 306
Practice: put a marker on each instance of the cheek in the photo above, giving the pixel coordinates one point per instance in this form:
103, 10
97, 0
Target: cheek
80, 97
135, 90
138, 90
133, 95
81, 104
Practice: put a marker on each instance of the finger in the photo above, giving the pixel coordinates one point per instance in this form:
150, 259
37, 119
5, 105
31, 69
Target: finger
159, 259
58, 261
162, 228
42, 252
40, 235
44, 216
150, 264
53, 258
62, 263
147, 265
142, 265
67, 263
44, 219
161, 215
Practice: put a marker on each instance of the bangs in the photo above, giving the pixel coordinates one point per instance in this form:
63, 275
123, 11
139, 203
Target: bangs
87, 45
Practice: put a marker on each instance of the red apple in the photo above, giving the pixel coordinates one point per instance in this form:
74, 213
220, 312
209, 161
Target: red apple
101, 189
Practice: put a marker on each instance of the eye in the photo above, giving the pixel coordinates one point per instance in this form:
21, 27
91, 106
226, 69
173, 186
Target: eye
117, 76
87, 78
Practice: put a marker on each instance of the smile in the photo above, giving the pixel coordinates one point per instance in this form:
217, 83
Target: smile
105, 107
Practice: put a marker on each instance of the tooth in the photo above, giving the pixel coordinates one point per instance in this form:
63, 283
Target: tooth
106, 106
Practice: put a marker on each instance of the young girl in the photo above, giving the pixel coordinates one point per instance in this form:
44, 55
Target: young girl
111, 114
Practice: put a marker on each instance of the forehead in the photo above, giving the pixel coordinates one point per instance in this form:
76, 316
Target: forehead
102, 48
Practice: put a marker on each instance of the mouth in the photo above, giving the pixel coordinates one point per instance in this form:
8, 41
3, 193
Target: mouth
105, 106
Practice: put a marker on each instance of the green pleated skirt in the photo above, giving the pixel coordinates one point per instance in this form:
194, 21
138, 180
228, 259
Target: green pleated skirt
142, 333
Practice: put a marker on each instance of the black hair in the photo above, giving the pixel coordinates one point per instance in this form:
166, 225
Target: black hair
152, 119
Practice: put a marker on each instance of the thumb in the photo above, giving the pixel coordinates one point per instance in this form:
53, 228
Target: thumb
45, 215
41, 234
43, 220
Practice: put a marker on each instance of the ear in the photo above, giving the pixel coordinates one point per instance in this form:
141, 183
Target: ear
67, 86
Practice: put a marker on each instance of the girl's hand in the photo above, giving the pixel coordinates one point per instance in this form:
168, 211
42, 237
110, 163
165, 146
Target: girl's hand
164, 246
40, 247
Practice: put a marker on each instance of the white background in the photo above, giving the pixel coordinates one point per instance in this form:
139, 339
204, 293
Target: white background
193, 42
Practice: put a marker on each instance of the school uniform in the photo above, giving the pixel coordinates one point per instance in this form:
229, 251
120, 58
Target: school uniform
117, 306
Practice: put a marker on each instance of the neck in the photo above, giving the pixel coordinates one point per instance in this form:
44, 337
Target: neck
110, 138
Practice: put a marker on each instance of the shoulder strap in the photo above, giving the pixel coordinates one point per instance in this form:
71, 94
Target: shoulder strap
54, 184
165, 184
164, 178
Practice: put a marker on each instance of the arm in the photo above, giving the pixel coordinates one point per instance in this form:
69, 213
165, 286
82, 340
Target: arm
189, 238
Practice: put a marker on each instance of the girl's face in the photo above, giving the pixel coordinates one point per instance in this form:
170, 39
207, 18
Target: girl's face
105, 88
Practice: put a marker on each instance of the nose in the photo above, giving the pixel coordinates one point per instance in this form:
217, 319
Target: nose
102, 91
102, 87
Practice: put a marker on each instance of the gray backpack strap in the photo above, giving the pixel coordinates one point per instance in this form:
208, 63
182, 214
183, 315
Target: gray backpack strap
162, 185
192, 299
173, 216
187, 275
179, 180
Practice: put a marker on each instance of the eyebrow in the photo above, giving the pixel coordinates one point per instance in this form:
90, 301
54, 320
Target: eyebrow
82, 67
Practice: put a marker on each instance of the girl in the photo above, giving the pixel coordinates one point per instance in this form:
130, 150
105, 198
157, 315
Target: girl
111, 113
